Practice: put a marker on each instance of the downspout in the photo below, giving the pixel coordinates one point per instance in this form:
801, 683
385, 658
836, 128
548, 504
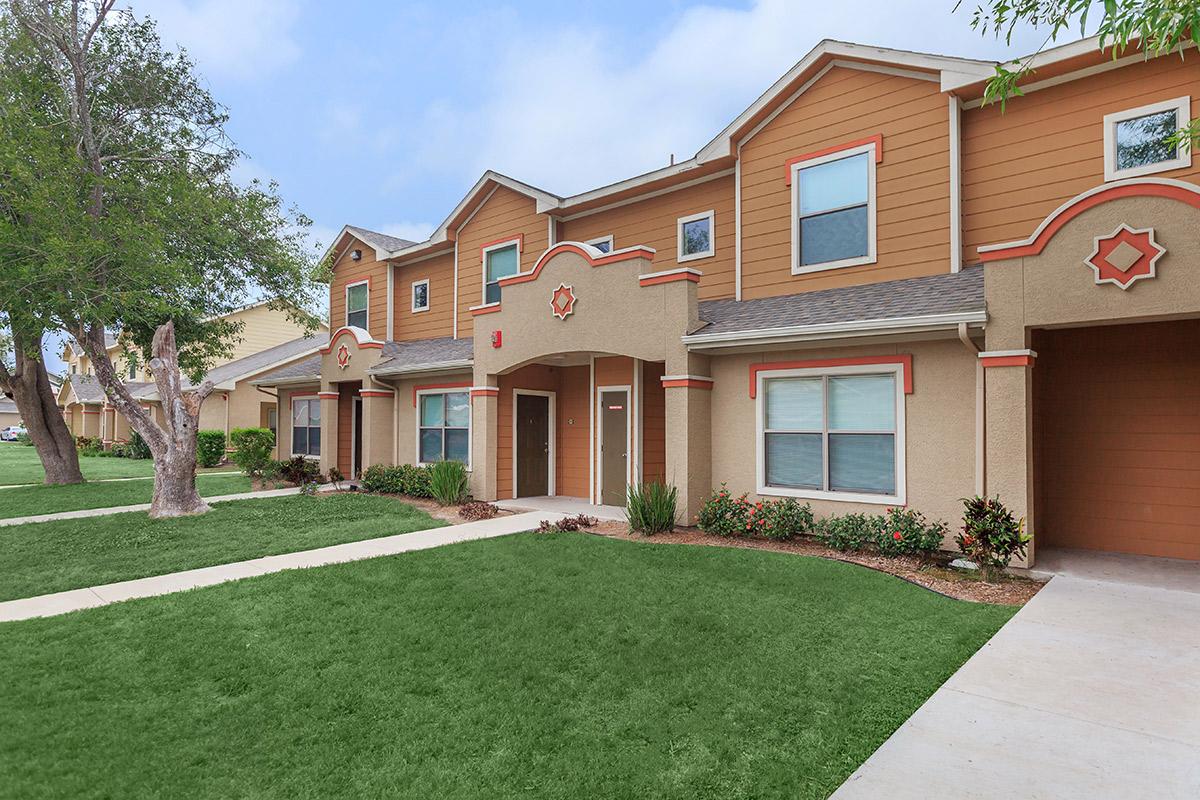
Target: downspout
980, 411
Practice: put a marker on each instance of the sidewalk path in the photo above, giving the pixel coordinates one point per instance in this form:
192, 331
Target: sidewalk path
118, 480
48, 605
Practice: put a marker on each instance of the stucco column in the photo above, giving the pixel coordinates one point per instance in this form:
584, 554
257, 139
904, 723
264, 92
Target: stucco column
329, 426
91, 422
689, 447
377, 431
485, 408
1009, 441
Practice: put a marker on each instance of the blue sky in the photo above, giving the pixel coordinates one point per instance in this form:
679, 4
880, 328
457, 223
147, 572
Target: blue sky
382, 114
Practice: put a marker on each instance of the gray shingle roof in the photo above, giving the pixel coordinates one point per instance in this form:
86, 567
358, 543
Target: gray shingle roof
401, 357
380, 240
7, 406
305, 369
256, 362
948, 293
87, 389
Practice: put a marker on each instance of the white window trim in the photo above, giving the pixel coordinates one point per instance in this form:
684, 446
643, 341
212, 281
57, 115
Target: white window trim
470, 426
346, 308
1182, 106
897, 499
552, 466
603, 240
871, 256
412, 296
516, 240
711, 216
598, 463
292, 424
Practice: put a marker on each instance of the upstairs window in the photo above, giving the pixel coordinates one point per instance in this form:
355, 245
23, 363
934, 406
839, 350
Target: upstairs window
833, 204
445, 427
1136, 141
420, 296
604, 244
695, 236
499, 261
357, 295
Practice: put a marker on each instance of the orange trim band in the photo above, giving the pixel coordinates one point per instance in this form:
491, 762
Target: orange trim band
488, 309
327, 349
687, 383
90, 412
906, 360
375, 393
427, 386
1007, 361
626, 254
519, 238
328, 395
485, 393
1064, 215
876, 140
678, 276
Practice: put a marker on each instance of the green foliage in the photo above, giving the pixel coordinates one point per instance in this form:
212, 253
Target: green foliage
137, 447
899, 532
448, 482
849, 532
23, 438
300, 470
253, 449
400, 479
991, 535
119, 450
650, 507
725, 515
89, 445
210, 448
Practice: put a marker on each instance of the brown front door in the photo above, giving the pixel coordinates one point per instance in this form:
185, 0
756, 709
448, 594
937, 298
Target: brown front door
533, 445
614, 446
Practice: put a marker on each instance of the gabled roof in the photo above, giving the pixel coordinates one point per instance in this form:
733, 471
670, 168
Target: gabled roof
227, 376
304, 370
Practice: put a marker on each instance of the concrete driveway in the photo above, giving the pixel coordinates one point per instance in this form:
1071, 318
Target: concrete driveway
1091, 691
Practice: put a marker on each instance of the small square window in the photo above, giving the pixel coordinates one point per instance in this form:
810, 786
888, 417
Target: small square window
695, 236
1137, 141
420, 296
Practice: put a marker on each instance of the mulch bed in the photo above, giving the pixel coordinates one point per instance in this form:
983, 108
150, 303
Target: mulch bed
961, 585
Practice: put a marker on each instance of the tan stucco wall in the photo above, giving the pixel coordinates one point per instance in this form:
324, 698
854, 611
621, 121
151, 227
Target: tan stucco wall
939, 425
9, 419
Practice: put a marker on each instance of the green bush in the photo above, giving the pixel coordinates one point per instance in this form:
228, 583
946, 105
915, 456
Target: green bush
415, 481
253, 449
725, 515
137, 446
23, 438
783, 519
900, 531
210, 448
650, 507
89, 445
406, 479
119, 450
300, 470
448, 482
991, 535
849, 532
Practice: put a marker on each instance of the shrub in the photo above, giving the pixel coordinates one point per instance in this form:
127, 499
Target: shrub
23, 438
850, 531
336, 477
415, 481
299, 470
907, 532
725, 515
477, 510
576, 523
783, 519
210, 448
309, 488
448, 482
991, 535
650, 507
252, 450
402, 479
120, 450
137, 446
89, 445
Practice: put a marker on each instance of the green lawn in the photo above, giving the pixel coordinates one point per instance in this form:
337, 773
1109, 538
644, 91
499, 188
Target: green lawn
20, 464
43, 557
561, 666
24, 501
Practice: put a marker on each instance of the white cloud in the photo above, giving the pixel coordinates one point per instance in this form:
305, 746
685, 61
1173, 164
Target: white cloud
568, 110
237, 39
413, 231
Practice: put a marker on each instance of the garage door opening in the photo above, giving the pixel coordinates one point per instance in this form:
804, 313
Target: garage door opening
1116, 426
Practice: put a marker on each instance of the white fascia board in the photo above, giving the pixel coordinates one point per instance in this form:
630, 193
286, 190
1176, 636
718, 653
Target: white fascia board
286, 381
417, 369
541, 196
837, 329
228, 383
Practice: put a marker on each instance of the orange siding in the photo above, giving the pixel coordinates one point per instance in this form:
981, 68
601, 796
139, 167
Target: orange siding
438, 321
653, 222
1021, 163
346, 271
505, 214
572, 417
346, 394
534, 376
1122, 473
912, 181
654, 423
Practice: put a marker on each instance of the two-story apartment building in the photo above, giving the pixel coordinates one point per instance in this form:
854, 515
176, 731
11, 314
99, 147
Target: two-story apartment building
870, 289
268, 340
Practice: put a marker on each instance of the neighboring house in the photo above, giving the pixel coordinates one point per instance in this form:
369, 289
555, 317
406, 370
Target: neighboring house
269, 340
840, 298
9, 415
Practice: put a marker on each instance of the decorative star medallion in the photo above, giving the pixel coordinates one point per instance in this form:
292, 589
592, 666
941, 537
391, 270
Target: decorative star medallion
343, 356
562, 302
1124, 256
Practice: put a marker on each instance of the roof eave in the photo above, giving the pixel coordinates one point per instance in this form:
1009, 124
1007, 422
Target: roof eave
418, 369
836, 330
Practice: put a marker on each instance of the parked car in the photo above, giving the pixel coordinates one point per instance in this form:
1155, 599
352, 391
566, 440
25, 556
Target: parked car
11, 433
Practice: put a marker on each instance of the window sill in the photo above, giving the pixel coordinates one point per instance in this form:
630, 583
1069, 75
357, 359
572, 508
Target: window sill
1183, 162
842, 497
696, 257
845, 262
420, 310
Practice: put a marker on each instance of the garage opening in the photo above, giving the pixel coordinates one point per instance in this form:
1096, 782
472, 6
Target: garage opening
1116, 426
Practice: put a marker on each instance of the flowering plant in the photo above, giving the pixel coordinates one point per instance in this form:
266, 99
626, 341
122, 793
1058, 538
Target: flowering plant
991, 535
726, 515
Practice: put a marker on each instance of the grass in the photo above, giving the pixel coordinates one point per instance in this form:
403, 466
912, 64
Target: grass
43, 557
549, 666
20, 464
24, 501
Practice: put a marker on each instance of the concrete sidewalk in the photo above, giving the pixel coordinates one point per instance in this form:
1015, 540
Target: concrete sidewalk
1091, 691
48, 605
117, 480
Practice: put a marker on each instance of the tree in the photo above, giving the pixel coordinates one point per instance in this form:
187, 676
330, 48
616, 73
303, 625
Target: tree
144, 231
1156, 27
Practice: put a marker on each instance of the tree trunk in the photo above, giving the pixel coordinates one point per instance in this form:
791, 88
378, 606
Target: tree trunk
29, 386
174, 449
